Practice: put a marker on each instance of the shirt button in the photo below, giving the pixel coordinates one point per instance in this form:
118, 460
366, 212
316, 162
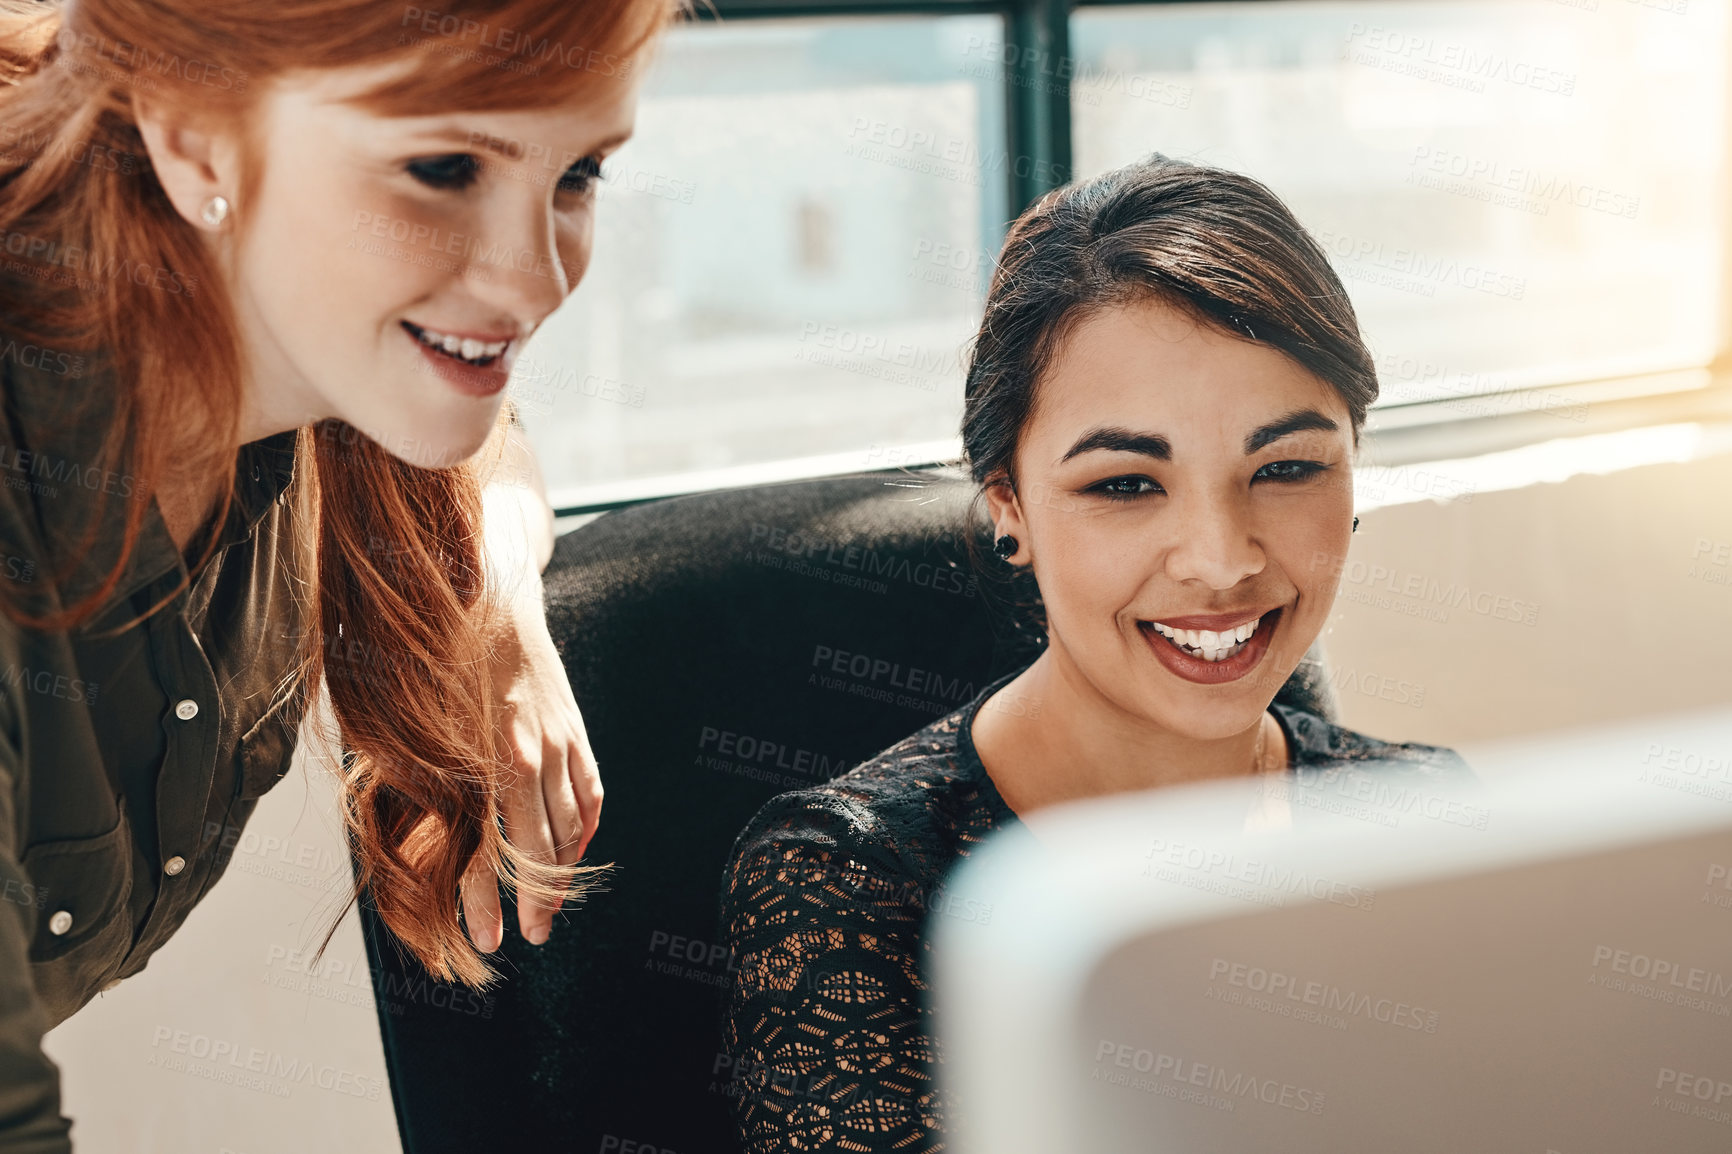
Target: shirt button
60, 922
186, 710
173, 865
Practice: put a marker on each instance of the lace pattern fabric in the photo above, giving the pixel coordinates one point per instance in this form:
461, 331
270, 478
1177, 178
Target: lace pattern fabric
828, 1027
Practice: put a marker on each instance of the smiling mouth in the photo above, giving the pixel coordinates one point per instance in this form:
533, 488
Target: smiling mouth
1212, 645
465, 350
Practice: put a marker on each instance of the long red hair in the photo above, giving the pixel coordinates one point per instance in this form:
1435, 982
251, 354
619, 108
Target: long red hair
421, 800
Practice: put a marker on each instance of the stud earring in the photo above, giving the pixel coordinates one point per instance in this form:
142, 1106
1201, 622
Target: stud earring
1005, 546
215, 211
1356, 524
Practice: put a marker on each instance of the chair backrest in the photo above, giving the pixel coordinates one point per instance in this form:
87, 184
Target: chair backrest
724, 648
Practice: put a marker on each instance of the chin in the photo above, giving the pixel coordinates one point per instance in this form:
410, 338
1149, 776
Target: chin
434, 442
440, 454
1207, 720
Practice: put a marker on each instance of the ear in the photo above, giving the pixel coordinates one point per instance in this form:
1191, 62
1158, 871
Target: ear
191, 163
1005, 508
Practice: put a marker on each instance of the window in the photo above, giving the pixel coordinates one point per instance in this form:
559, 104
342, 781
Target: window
790, 254
1516, 195
1520, 195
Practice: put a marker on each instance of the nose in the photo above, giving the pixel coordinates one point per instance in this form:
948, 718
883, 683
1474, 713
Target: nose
1216, 542
514, 264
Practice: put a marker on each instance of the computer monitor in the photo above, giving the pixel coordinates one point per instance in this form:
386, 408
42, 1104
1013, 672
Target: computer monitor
1542, 965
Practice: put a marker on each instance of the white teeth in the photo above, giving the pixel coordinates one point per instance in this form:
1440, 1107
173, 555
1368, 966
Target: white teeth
1210, 645
468, 348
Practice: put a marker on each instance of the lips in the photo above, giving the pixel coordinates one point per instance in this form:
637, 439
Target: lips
1208, 650
475, 367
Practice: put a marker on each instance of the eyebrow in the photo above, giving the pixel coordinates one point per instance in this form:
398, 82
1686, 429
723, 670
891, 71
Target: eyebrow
1298, 421
1121, 440
1116, 439
500, 147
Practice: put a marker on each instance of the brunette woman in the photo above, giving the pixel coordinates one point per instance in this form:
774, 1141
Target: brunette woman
1162, 406
264, 268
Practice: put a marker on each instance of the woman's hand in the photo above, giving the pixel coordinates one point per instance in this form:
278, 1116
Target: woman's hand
552, 808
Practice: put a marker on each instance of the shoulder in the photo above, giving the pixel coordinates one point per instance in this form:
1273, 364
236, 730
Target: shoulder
879, 818
1321, 745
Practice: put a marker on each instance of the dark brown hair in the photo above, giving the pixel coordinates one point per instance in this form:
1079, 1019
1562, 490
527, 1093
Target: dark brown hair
1214, 242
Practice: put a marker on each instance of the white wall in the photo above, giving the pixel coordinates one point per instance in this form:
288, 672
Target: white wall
1629, 621
160, 1064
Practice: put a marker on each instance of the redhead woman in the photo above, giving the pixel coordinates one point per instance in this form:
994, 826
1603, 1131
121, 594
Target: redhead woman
1162, 406
264, 269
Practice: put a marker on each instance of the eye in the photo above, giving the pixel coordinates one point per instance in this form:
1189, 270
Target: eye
1289, 471
1122, 488
455, 171
580, 177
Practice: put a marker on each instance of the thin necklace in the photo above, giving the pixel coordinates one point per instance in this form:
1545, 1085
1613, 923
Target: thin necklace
1270, 808
1257, 765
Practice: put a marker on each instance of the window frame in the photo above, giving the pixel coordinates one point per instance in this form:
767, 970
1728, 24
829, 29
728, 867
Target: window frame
1038, 130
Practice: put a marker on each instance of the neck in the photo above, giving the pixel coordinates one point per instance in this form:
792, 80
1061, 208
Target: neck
1078, 744
275, 397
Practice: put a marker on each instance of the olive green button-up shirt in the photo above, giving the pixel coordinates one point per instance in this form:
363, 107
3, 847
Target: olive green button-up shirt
128, 764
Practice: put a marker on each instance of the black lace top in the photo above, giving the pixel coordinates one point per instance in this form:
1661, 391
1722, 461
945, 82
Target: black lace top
824, 904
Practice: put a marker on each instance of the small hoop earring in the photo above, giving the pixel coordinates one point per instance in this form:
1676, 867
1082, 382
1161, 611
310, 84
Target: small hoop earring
1005, 546
215, 211
1355, 524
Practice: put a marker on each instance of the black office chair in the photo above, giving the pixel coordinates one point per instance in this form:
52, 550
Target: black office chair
724, 647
